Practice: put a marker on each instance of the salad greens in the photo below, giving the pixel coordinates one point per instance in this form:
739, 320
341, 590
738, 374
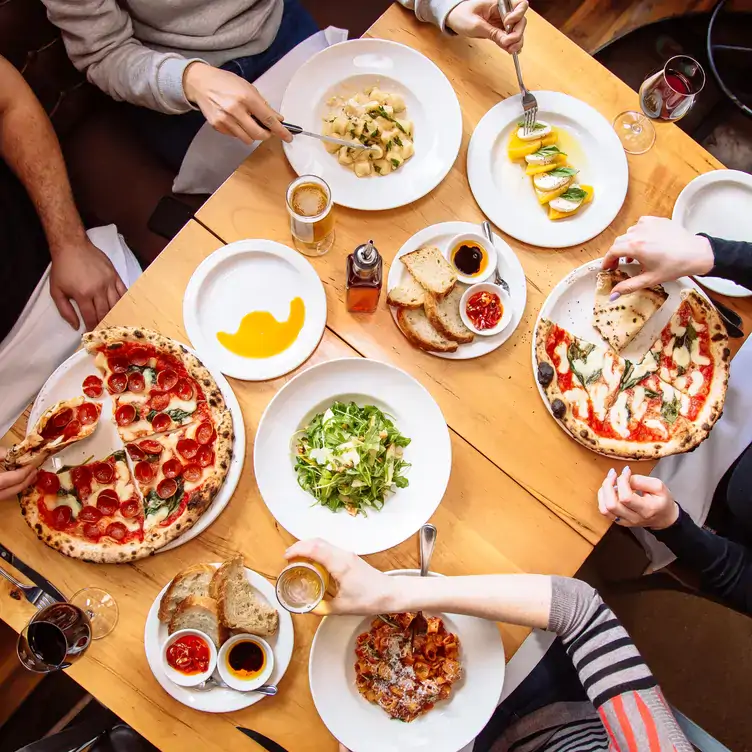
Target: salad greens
350, 457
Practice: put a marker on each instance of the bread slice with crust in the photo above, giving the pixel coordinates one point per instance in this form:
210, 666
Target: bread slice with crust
409, 294
201, 613
429, 267
444, 315
192, 581
419, 331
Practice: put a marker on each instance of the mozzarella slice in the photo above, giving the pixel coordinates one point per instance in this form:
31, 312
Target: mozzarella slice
565, 205
561, 351
535, 133
548, 182
538, 158
697, 381
619, 416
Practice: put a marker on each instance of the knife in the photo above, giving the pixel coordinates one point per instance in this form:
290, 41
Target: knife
264, 741
32, 574
296, 130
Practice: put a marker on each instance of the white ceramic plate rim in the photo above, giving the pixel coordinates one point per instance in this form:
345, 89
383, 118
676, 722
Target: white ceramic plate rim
220, 699
509, 267
546, 233
261, 369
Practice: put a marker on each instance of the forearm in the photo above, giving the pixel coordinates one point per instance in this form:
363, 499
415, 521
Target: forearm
732, 260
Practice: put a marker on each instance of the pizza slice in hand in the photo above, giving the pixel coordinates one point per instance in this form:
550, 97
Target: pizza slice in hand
59, 426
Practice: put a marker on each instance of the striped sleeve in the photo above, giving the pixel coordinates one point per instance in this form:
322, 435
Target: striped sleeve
612, 671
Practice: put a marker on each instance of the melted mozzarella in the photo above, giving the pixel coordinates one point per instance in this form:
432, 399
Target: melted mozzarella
594, 362
656, 425
561, 352
579, 400
684, 404
66, 501
681, 383
639, 404
131, 432
132, 523
676, 328
611, 373
101, 362
152, 520
534, 134
619, 416
564, 205
700, 360
681, 356
697, 381
665, 375
129, 397
598, 394
188, 406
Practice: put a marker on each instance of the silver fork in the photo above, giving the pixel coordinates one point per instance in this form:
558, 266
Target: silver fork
35, 595
529, 102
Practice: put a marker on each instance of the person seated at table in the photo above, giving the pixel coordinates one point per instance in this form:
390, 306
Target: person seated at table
54, 279
604, 697
169, 57
666, 251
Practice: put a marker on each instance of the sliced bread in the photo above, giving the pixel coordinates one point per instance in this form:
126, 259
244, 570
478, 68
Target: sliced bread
431, 269
240, 608
199, 612
410, 294
418, 330
444, 315
192, 581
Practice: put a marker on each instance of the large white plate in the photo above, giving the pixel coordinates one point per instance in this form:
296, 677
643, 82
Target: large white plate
509, 267
505, 193
345, 69
220, 699
364, 727
718, 203
65, 383
246, 276
366, 382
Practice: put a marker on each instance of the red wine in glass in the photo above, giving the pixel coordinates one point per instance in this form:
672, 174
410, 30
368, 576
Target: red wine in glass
669, 94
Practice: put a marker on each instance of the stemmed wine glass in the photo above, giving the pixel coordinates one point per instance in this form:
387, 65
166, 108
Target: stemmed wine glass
100, 608
666, 95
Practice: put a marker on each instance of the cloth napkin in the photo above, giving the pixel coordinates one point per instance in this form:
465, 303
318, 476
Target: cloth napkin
212, 157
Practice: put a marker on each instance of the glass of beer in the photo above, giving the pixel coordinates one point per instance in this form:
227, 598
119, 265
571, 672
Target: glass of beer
301, 585
311, 209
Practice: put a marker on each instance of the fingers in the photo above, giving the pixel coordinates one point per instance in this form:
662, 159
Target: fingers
64, 307
112, 297
611, 499
101, 305
269, 118
516, 15
611, 259
513, 41
14, 481
120, 287
315, 549
88, 312
632, 285
231, 127
646, 484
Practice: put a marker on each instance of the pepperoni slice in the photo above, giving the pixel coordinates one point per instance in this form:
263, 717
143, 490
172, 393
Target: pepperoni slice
72, 429
90, 514
47, 483
136, 382
116, 530
135, 452
184, 389
117, 364
205, 433
108, 502
117, 383
205, 456
130, 508
161, 422
61, 419
150, 446
103, 472
167, 379
172, 469
92, 532
192, 473
138, 356
144, 472
125, 415
187, 448
88, 413
167, 488
81, 476
61, 518
159, 401
92, 386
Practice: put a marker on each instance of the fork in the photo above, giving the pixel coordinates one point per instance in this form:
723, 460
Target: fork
529, 102
35, 595
428, 535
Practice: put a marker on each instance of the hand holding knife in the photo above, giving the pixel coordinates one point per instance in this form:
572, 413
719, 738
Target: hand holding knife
296, 130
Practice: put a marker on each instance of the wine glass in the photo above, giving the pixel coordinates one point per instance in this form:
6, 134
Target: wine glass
666, 95
100, 608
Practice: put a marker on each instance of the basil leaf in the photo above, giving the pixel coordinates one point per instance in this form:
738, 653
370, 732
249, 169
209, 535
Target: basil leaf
670, 410
536, 126
395, 162
178, 415
119, 455
549, 151
650, 394
574, 194
626, 383
686, 339
563, 172
151, 415
154, 502
680, 370
594, 376
398, 141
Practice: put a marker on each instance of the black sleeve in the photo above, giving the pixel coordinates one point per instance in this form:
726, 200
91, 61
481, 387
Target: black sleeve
733, 260
725, 567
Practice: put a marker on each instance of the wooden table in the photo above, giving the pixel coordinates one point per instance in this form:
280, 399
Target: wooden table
521, 494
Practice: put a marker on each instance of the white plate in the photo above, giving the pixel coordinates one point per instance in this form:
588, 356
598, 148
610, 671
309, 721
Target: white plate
66, 382
364, 727
509, 267
246, 276
366, 382
570, 305
345, 69
505, 193
718, 203
220, 699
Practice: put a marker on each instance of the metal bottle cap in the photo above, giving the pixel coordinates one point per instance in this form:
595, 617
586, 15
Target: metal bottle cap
367, 255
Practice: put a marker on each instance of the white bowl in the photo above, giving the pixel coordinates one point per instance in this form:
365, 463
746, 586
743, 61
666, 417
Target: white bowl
245, 685
489, 248
189, 680
506, 301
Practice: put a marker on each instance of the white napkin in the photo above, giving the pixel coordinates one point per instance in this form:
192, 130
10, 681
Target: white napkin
212, 157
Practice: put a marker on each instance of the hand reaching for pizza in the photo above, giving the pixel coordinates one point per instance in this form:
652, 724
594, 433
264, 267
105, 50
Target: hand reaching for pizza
665, 251
637, 501
13, 482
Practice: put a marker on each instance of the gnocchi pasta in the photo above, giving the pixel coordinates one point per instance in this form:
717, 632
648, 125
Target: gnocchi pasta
377, 119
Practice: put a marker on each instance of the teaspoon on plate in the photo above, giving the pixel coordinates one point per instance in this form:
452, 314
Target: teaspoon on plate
498, 279
211, 683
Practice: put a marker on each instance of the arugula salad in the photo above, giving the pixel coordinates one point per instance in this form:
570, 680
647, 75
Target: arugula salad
350, 457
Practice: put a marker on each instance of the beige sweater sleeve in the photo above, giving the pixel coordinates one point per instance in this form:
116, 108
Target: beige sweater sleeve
432, 11
98, 36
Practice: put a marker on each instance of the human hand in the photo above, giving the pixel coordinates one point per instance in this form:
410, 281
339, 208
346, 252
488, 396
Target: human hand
481, 19
12, 482
361, 588
229, 103
619, 501
80, 271
665, 250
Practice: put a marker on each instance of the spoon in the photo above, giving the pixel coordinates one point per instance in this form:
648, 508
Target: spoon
489, 236
428, 535
211, 683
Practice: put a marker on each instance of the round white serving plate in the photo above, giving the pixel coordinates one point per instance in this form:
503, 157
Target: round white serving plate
66, 382
220, 699
505, 193
718, 203
365, 382
509, 267
364, 727
349, 67
246, 276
